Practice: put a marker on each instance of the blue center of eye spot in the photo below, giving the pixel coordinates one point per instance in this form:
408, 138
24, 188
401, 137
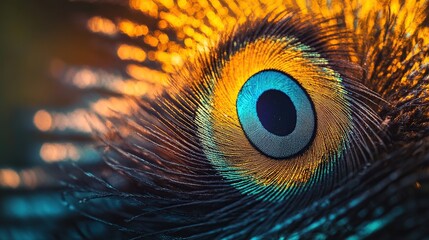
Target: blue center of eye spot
276, 112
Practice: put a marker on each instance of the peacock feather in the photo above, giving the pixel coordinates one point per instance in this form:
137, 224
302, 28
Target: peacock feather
244, 120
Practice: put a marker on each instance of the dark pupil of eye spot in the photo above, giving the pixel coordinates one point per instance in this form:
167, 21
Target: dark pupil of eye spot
276, 112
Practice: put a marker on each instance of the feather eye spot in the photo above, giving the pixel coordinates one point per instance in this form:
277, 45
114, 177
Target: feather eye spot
276, 114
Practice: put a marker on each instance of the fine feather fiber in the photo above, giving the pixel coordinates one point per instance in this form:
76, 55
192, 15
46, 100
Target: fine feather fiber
173, 160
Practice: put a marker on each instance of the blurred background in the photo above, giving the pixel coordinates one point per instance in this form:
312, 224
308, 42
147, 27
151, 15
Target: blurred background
38, 38
55, 71
63, 63
64, 66
32, 34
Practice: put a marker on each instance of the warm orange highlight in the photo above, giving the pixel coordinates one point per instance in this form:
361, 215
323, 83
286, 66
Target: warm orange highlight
55, 152
9, 178
128, 52
43, 120
85, 78
102, 25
